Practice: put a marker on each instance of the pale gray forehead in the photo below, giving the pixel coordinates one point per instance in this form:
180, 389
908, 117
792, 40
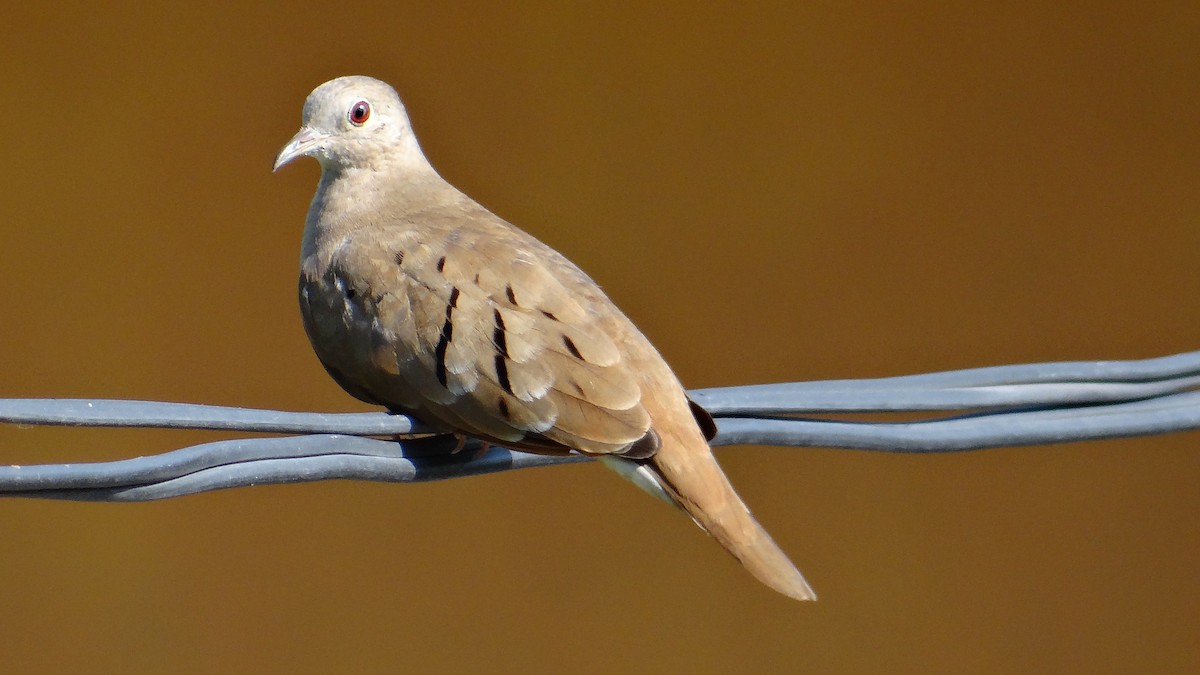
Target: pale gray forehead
336, 95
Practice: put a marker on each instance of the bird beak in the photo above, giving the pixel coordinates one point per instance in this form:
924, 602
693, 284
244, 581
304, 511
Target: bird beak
303, 143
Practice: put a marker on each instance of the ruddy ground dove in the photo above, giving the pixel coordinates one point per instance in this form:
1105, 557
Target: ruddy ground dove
418, 299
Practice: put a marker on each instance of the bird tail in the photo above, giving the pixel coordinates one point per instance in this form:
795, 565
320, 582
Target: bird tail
691, 475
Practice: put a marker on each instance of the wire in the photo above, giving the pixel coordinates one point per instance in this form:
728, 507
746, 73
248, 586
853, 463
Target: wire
999, 406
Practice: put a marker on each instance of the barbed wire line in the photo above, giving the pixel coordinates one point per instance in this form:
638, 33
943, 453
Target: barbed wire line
999, 406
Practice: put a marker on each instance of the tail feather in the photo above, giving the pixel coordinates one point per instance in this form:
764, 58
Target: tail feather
691, 474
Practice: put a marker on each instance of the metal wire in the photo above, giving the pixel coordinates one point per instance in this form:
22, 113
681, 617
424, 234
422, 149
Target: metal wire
998, 406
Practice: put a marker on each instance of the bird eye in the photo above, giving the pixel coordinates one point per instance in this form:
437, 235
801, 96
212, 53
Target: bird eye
359, 113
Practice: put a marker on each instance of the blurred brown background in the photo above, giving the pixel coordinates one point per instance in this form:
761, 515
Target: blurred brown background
827, 192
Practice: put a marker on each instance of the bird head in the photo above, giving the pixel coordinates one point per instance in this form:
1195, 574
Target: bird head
353, 121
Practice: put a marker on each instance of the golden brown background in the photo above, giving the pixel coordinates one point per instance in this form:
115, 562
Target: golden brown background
823, 192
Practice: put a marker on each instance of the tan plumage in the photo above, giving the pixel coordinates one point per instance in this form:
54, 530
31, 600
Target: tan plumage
418, 299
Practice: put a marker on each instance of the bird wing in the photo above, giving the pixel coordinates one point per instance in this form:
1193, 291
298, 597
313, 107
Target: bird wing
483, 330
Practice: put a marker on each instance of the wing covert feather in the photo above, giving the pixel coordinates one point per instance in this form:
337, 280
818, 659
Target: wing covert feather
497, 350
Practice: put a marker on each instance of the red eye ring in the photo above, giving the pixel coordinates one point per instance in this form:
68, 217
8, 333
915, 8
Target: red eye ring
359, 113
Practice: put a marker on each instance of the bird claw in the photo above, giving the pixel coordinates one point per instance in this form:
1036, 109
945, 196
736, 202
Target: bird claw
461, 444
484, 447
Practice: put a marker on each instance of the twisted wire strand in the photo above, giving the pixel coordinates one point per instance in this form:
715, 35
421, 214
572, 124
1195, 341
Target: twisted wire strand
999, 406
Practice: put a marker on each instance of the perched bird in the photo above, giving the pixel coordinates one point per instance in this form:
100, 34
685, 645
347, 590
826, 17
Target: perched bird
418, 299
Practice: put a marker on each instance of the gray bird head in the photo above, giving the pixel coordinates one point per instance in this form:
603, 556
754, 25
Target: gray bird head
353, 121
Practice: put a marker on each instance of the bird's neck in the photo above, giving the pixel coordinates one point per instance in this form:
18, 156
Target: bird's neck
349, 198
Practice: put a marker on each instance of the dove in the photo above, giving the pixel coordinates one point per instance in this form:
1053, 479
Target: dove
418, 299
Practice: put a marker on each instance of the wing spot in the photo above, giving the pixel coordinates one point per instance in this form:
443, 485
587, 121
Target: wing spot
499, 336
441, 264
447, 335
501, 340
502, 405
502, 374
549, 315
399, 258
508, 292
570, 344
